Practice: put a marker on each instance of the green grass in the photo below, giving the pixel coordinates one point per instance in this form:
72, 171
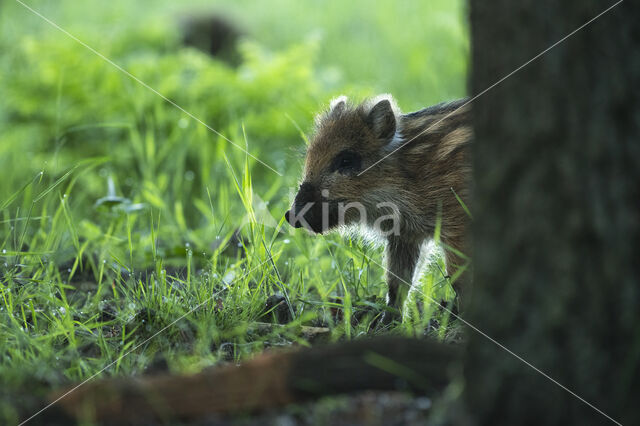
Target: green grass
120, 215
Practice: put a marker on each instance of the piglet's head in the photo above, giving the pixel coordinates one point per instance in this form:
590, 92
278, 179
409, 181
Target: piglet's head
347, 141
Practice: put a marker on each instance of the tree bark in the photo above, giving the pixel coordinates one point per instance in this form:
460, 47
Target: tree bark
557, 217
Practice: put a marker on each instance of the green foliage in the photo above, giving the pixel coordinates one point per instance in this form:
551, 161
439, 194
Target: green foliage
126, 225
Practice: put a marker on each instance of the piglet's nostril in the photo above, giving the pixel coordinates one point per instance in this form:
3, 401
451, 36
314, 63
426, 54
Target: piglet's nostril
290, 218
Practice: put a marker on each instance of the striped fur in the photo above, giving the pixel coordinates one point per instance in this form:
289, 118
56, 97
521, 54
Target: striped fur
428, 159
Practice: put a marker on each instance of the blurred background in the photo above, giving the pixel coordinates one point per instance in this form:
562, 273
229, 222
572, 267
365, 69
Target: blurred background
119, 212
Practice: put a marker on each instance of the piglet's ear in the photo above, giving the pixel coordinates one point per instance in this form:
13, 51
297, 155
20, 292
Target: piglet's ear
382, 120
337, 105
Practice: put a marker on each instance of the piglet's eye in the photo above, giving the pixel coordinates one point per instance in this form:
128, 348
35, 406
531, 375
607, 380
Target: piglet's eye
347, 162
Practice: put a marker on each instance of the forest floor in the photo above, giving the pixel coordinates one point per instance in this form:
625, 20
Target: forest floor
367, 408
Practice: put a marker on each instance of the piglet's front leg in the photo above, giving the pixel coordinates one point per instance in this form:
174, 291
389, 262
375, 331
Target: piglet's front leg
402, 257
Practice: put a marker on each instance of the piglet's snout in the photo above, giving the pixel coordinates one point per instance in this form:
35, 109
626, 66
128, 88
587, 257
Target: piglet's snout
299, 215
289, 217
300, 211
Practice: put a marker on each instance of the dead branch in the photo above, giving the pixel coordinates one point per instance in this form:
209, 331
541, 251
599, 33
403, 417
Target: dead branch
269, 380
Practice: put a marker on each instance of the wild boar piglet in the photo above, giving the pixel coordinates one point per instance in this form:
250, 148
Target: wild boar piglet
397, 174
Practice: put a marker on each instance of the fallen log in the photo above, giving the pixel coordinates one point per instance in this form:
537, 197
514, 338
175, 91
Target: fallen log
267, 381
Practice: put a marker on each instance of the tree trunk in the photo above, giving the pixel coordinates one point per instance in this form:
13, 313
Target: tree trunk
557, 217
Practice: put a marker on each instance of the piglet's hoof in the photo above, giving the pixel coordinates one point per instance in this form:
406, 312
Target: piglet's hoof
387, 317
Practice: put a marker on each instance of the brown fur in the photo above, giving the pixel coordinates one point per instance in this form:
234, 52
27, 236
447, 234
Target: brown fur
419, 178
